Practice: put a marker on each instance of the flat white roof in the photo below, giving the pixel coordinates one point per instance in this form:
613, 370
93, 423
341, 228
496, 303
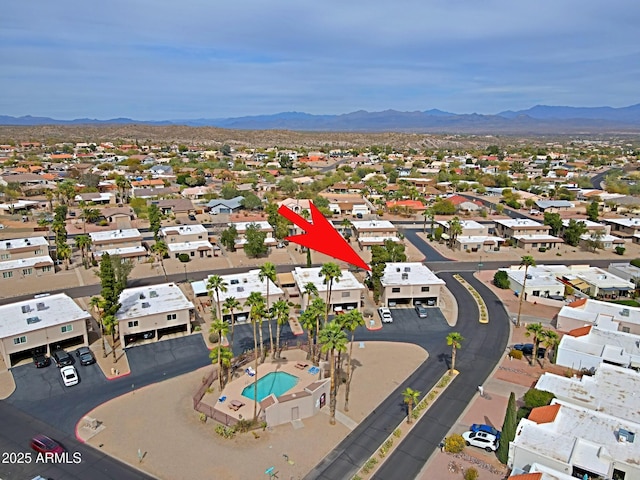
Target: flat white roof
478, 239
26, 262
347, 281
377, 240
123, 252
465, 224
129, 233
150, 300
519, 222
603, 279
239, 286
538, 238
373, 225
606, 342
580, 436
627, 268
592, 310
183, 230
188, 246
45, 311
607, 391
587, 223
263, 226
415, 273
545, 279
14, 243
602, 238
625, 222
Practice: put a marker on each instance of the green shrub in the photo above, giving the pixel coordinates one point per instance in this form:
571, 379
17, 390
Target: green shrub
454, 443
184, 257
635, 262
444, 381
214, 337
620, 250
501, 279
372, 462
537, 398
397, 433
225, 432
203, 418
470, 474
542, 249
244, 425
517, 354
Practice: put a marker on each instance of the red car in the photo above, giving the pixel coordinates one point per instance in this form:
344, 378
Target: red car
44, 444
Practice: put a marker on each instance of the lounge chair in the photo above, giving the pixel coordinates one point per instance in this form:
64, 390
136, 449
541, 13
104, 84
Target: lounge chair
313, 370
250, 371
301, 365
235, 405
222, 398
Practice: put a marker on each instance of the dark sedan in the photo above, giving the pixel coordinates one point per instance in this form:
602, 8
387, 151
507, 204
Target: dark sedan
62, 358
86, 356
525, 348
40, 360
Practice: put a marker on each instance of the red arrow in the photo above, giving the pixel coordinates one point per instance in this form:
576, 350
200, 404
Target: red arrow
321, 236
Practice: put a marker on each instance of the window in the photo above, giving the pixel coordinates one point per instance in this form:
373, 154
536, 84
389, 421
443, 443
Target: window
19, 340
626, 330
7, 274
172, 316
424, 289
346, 294
534, 245
47, 268
66, 328
39, 251
132, 323
465, 247
27, 271
395, 289
5, 256
193, 254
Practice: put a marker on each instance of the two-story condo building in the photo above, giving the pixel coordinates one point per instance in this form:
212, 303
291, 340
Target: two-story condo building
126, 243
346, 291
262, 226
374, 232
25, 258
190, 239
410, 283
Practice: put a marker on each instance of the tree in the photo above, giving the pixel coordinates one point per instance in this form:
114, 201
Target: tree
550, 340
90, 215
592, 211
66, 191
350, 321
229, 237
454, 340
333, 339
121, 269
64, 253
222, 356
330, 272
281, 314
161, 250
443, 207
255, 246
554, 221
267, 274
279, 224
49, 194
83, 242
155, 217
594, 242
455, 229
216, 284
229, 191
317, 310
256, 304
501, 280
220, 327
123, 184
230, 305
509, 426
410, 397
573, 232
98, 304
110, 322
526, 262
428, 213
311, 289
308, 322
251, 201
535, 330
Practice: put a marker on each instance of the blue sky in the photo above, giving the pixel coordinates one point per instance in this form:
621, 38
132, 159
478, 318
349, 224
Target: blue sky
155, 59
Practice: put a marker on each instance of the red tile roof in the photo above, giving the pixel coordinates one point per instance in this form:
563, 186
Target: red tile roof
546, 414
527, 476
581, 331
578, 303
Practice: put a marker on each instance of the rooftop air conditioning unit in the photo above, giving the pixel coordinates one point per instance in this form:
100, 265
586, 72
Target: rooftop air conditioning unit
407, 269
142, 297
26, 308
405, 276
624, 312
40, 306
146, 304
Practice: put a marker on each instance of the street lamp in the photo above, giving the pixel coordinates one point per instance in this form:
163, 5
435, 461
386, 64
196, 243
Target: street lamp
185, 272
480, 264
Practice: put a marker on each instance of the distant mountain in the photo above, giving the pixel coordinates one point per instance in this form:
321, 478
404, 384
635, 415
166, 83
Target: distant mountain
539, 119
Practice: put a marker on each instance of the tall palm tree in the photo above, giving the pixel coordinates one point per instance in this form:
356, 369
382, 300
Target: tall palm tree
535, 330
161, 250
308, 290
318, 309
333, 340
49, 194
308, 322
216, 284
550, 341
331, 272
410, 397
221, 328
427, 213
455, 229
98, 304
256, 303
222, 356
454, 340
281, 313
122, 183
346, 223
231, 305
88, 215
268, 274
64, 253
109, 322
526, 262
83, 242
350, 321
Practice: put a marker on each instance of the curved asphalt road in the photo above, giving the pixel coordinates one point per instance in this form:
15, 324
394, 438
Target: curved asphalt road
483, 347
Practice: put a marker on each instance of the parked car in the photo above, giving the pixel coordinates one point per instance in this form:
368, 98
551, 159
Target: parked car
481, 440
43, 444
69, 376
481, 427
542, 352
192, 217
40, 360
86, 356
62, 358
385, 315
525, 348
421, 310
149, 334
431, 302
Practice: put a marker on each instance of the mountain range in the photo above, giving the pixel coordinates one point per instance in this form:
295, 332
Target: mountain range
539, 119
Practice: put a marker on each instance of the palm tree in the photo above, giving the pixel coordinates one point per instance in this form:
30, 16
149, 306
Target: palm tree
536, 331
427, 213
161, 249
333, 340
308, 322
350, 321
281, 312
221, 328
454, 340
256, 302
222, 356
346, 223
49, 194
331, 272
308, 290
98, 304
216, 284
88, 215
109, 322
526, 262
64, 253
550, 341
411, 398
83, 242
267, 274
455, 229
318, 309
231, 305
122, 183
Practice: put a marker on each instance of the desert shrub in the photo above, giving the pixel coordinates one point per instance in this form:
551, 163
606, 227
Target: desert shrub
620, 250
225, 432
444, 381
372, 462
542, 249
244, 425
184, 257
517, 354
397, 433
454, 443
214, 337
537, 398
470, 474
501, 279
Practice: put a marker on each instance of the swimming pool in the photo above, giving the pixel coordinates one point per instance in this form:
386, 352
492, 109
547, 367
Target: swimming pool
274, 382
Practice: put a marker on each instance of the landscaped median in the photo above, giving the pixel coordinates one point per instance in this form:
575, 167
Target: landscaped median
482, 307
392, 441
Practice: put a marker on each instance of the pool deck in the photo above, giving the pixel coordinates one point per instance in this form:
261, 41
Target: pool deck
241, 380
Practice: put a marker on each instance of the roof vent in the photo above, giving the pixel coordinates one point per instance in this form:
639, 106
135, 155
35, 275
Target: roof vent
407, 269
398, 269
26, 308
624, 312
41, 306
405, 276
142, 297
146, 304
32, 320
153, 294
234, 281
240, 289
8, 244
625, 436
